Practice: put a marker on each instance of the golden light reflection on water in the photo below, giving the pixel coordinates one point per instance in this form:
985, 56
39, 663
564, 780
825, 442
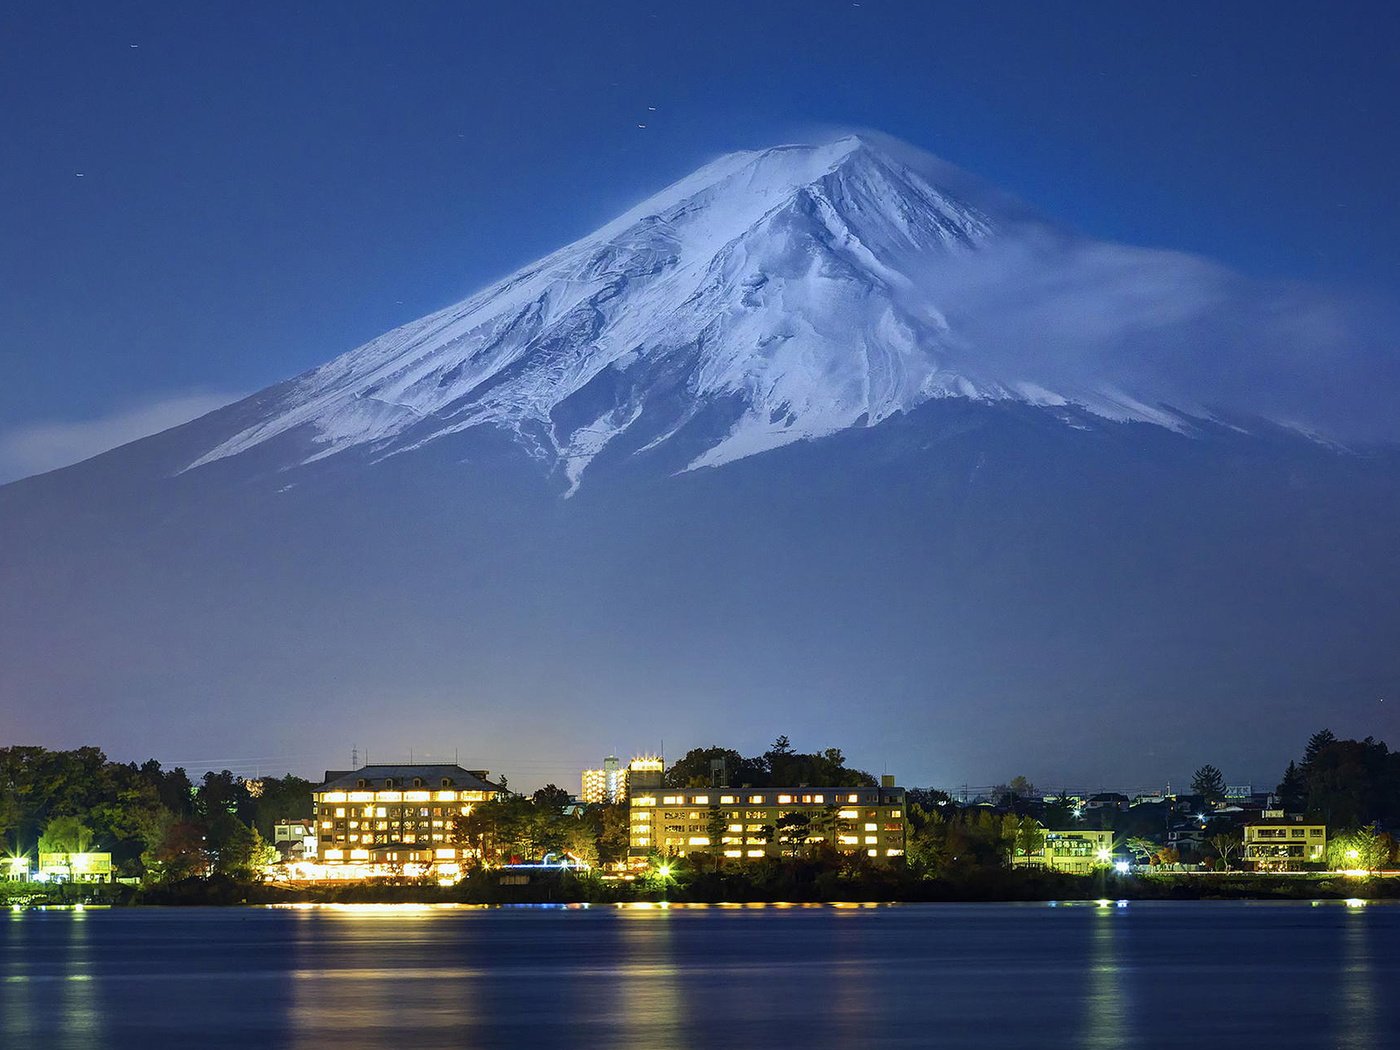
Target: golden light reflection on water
1358, 1023
1105, 1012
651, 1005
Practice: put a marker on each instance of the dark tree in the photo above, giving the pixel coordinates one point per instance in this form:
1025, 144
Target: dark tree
1292, 791
1209, 783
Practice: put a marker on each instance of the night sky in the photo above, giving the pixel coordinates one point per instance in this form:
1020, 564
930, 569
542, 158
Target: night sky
197, 201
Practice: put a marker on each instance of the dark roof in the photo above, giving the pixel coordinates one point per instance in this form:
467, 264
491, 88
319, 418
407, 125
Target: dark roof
403, 776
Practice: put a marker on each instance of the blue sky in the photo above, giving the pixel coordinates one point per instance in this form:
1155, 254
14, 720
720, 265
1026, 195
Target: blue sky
198, 200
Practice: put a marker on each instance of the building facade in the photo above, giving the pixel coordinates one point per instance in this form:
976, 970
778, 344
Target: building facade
753, 823
606, 785
1277, 842
381, 819
1078, 852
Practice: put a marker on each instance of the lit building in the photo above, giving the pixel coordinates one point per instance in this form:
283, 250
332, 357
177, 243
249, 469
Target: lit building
1078, 852
752, 823
1277, 842
75, 867
609, 784
396, 819
295, 838
606, 785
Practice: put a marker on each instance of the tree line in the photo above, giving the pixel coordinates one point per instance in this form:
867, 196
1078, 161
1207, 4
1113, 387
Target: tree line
157, 823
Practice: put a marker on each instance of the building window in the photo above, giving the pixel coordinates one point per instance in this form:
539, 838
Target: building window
755, 800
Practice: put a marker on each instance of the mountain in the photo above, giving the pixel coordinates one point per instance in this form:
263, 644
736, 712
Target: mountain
826, 439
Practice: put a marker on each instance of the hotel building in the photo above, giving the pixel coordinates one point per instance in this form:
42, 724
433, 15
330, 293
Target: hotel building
753, 823
1076, 852
389, 819
609, 784
1282, 843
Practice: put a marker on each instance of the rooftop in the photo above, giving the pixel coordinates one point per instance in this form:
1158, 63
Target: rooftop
431, 776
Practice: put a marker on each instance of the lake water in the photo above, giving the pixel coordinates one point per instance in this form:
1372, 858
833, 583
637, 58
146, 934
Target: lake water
941, 975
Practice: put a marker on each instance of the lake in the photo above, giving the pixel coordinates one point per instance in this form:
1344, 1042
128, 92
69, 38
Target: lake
928, 975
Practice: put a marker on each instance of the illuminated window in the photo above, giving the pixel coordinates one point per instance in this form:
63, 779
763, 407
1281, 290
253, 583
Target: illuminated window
784, 800
852, 798
848, 814
700, 800
673, 800
819, 799
340, 812
873, 852
333, 796
895, 813
871, 827
699, 840
733, 853
641, 818
736, 827
758, 853
871, 839
755, 800
693, 815
848, 840
728, 800
894, 853
644, 800
380, 811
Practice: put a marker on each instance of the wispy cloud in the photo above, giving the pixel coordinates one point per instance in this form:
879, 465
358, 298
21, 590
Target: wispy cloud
34, 448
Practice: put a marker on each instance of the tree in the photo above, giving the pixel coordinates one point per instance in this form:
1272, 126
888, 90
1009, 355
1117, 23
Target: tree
1021, 787
1142, 849
1209, 782
1225, 844
1316, 743
793, 831
1360, 849
1292, 791
552, 797
65, 835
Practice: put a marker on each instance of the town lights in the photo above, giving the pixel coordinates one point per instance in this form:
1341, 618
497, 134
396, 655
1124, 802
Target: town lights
1105, 855
664, 870
1121, 867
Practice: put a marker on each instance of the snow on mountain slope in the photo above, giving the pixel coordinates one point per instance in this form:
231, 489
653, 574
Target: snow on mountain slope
794, 290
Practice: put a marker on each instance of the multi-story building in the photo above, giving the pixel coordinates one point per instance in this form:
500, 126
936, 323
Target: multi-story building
1078, 852
1276, 842
752, 823
295, 838
606, 785
387, 818
609, 784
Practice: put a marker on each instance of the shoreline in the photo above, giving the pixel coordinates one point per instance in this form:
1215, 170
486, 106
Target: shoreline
992, 888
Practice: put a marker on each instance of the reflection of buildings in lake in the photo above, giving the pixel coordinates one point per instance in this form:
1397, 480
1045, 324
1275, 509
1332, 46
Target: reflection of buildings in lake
379, 975
1357, 1025
81, 1014
651, 1006
1105, 1011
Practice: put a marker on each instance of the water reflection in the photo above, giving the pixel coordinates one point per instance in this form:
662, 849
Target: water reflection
651, 1002
1357, 1022
376, 975
1105, 1015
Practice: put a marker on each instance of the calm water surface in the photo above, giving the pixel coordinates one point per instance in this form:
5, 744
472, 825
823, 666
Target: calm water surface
1140, 975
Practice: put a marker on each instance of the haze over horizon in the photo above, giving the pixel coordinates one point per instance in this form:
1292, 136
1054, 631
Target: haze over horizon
240, 209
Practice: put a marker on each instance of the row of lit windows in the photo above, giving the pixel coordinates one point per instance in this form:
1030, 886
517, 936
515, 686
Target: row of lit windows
753, 800
363, 854
402, 796
396, 812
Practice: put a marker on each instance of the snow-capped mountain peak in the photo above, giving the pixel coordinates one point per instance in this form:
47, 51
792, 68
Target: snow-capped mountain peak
789, 293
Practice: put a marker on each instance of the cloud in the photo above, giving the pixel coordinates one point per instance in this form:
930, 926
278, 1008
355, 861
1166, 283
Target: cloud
35, 448
1089, 319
